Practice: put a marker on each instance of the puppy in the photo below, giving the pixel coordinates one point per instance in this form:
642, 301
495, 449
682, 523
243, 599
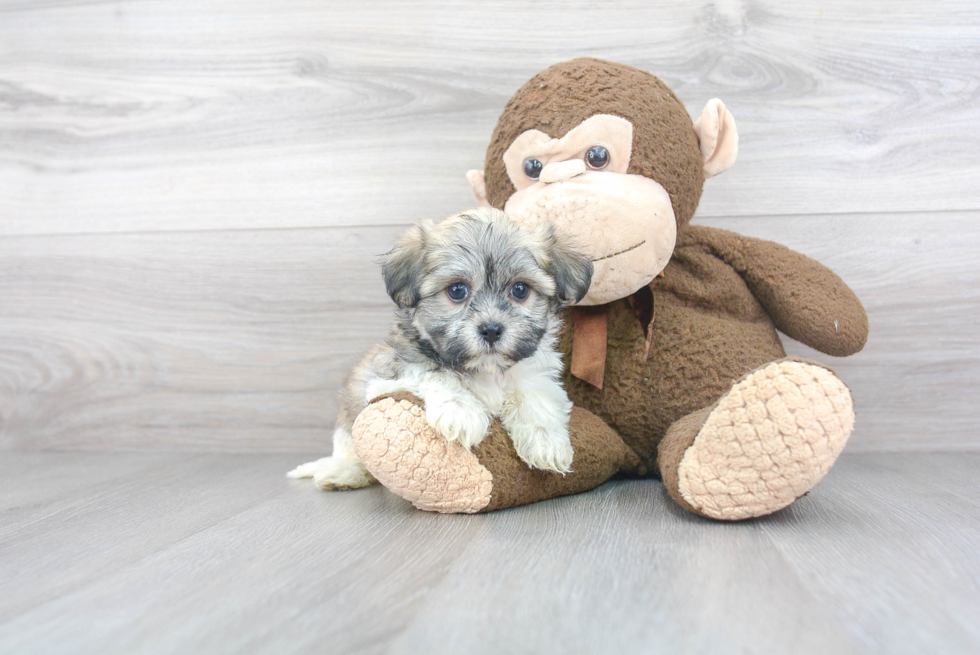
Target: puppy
478, 301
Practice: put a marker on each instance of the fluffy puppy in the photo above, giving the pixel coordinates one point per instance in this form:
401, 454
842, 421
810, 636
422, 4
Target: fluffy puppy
478, 301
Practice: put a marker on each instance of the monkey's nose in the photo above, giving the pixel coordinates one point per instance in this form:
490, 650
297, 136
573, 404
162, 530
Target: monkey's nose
562, 170
491, 332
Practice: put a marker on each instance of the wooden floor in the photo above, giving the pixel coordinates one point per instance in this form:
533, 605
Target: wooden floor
196, 553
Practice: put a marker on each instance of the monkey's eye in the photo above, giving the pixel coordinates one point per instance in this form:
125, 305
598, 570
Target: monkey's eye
532, 168
597, 157
520, 290
457, 291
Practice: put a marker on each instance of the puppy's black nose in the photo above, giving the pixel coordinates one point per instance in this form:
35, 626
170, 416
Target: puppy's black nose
491, 332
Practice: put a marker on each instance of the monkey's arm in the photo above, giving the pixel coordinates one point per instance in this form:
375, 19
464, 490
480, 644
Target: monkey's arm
805, 299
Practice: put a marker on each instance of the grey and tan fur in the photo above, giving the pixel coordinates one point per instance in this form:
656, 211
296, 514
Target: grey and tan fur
489, 353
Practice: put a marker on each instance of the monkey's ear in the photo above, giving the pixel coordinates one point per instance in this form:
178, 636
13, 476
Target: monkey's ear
571, 269
479, 187
718, 138
402, 266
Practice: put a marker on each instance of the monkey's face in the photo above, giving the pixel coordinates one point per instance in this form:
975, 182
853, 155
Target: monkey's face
623, 174
579, 183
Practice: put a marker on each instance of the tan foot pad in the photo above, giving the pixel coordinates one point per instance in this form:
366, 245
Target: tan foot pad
768, 442
400, 449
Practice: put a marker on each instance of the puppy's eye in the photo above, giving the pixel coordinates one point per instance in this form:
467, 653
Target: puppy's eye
520, 290
597, 157
457, 291
532, 168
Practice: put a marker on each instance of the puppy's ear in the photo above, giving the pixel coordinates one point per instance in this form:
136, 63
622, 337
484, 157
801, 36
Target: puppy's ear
402, 266
571, 269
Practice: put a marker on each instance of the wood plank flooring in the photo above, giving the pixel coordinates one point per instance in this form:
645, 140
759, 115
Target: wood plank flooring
166, 553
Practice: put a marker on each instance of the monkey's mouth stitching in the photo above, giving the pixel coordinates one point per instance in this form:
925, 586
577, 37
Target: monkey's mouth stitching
620, 252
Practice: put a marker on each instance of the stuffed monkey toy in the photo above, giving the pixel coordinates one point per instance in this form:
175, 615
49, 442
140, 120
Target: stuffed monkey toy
672, 359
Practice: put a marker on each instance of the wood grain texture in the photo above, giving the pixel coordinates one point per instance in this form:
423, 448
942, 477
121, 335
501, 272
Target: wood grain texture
239, 338
223, 554
178, 115
192, 195
239, 341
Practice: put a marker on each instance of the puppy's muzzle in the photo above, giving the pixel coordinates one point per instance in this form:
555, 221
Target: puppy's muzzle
491, 332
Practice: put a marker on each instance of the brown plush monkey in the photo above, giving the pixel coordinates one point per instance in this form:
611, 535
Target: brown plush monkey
672, 361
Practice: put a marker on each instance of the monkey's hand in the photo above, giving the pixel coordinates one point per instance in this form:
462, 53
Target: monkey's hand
804, 298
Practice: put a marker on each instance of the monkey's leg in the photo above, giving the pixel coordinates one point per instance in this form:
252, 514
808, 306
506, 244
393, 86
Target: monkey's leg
399, 448
764, 444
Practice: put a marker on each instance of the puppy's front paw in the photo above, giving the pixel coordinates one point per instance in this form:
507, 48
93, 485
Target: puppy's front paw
543, 448
458, 420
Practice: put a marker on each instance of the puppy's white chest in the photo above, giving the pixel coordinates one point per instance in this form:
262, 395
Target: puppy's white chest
492, 389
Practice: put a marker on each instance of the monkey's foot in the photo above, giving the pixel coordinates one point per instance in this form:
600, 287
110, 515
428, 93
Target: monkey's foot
767, 442
400, 449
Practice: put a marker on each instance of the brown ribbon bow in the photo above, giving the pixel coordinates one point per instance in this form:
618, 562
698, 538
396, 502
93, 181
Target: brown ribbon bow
590, 335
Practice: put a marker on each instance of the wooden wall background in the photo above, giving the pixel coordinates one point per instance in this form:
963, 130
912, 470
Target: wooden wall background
192, 193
